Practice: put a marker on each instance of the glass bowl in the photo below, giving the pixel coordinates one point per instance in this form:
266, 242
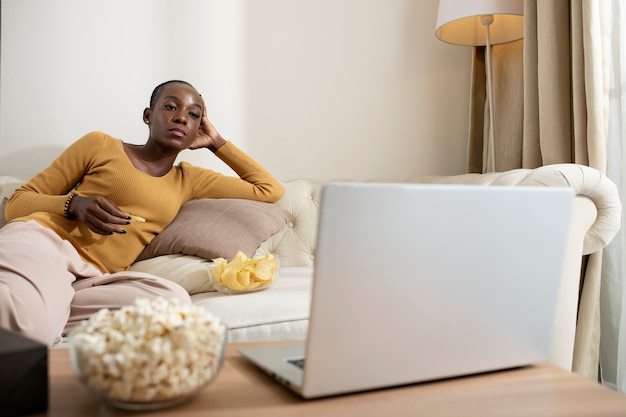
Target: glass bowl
141, 359
250, 283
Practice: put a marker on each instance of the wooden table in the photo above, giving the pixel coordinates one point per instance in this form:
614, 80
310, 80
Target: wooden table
242, 390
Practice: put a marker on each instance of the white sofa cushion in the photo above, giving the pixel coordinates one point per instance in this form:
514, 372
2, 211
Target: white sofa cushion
279, 312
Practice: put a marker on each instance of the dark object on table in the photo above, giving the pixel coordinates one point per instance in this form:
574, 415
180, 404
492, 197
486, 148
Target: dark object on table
23, 375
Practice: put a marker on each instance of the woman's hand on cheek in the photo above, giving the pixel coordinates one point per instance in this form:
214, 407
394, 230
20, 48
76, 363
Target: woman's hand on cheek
101, 215
207, 134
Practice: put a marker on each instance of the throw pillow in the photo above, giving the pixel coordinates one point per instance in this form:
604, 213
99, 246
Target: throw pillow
218, 228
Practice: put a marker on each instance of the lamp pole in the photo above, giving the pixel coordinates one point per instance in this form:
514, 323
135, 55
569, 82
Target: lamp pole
487, 20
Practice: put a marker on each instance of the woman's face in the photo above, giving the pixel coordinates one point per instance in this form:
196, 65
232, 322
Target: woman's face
174, 120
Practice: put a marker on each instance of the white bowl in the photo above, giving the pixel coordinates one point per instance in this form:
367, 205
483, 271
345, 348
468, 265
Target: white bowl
156, 365
262, 285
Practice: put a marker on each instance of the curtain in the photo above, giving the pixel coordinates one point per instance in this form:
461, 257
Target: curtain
613, 291
551, 106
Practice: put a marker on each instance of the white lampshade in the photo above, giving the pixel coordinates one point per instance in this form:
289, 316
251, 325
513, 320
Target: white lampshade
458, 21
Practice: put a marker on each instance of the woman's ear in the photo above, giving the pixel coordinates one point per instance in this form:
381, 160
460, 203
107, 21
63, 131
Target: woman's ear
146, 115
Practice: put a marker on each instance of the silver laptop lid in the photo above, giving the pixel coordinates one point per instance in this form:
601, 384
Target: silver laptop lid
420, 282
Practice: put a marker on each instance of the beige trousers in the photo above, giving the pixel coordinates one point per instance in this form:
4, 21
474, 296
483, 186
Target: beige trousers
46, 288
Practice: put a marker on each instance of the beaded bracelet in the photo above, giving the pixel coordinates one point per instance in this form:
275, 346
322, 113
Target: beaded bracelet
67, 207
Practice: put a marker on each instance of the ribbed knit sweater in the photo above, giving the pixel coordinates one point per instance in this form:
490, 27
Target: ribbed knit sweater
97, 164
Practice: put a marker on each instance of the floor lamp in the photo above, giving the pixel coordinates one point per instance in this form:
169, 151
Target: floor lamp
481, 23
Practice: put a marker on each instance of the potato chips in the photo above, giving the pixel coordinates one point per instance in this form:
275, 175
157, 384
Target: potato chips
242, 274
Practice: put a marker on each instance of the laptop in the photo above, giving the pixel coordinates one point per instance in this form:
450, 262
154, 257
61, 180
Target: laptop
421, 282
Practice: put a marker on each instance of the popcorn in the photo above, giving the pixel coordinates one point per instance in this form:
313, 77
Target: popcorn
151, 351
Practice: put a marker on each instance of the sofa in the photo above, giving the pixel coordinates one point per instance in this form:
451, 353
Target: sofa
289, 232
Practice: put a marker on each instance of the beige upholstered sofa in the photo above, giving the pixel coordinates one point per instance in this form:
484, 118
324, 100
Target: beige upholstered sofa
281, 312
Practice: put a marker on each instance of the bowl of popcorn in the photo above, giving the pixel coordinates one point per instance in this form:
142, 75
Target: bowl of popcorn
148, 355
242, 274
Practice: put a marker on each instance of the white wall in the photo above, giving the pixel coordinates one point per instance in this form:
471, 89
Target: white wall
310, 88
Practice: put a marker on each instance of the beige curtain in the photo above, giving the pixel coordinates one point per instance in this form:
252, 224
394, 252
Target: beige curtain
550, 99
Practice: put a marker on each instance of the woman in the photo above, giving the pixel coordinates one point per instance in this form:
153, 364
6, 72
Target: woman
70, 238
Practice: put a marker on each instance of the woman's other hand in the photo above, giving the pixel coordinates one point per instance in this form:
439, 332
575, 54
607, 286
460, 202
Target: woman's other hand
101, 215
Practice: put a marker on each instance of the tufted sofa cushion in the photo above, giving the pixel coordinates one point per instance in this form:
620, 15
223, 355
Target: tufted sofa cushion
296, 243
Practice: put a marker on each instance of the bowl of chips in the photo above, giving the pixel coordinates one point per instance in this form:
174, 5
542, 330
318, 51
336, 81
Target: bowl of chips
243, 275
149, 355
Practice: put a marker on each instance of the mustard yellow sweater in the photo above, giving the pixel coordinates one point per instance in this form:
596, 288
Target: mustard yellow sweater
98, 164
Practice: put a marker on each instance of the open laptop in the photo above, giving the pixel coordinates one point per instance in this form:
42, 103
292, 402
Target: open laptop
415, 283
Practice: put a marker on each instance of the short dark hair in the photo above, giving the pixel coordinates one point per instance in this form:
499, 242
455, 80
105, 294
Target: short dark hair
158, 88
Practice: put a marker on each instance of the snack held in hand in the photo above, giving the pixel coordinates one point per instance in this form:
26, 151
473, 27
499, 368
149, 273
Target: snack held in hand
244, 274
138, 219
154, 351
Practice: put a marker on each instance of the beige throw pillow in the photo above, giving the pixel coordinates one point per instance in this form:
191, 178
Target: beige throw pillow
218, 228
